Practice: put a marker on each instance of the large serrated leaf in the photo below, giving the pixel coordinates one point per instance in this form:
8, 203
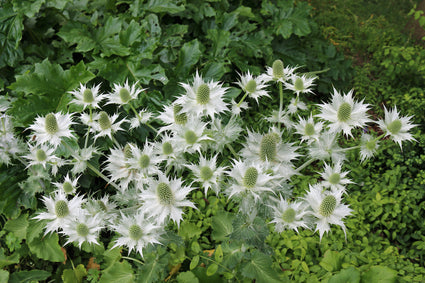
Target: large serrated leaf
189, 55
260, 269
221, 225
18, 226
47, 248
11, 27
155, 267
163, 6
118, 272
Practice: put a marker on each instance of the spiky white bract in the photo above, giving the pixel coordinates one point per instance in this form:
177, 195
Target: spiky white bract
143, 117
81, 157
253, 86
136, 232
59, 208
173, 116
69, 186
88, 119
52, 128
278, 73
300, 84
118, 167
103, 208
170, 151
368, 146
327, 208
192, 135
396, 127
249, 178
87, 97
296, 104
207, 174
165, 199
122, 94
333, 178
308, 129
106, 125
326, 147
224, 135
344, 113
203, 98
83, 228
10, 145
281, 117
289, 215
238, 107
145, 162
41, 155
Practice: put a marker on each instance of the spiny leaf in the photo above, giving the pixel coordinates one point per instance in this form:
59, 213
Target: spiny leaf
260, 269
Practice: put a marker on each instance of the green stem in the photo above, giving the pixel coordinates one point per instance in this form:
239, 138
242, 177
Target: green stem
232, 150
133, 259
280, 102
242, 99
88, 130
308, 162
140, 118
210, 259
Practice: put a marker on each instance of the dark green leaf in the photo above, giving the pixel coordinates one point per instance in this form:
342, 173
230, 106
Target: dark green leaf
47, 247
28, 8
11, 26
187, 277
155, 267
8, 260
118, 272
18, 226
188, 56
163, 6
260, 269
29, 276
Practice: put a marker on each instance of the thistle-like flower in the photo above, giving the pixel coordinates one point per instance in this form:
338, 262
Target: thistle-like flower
396, 127
83, 228
52, 128
224, 135
143, 117
278, 72
327, 208
368, 146
300, 84
105, 125
289, 215
253, 86
145, 162
326, 147
238, 107
136, 232
192, 135
122, 94
87, 97
68, 186
344, 113
203, 98
81, 157
333, 178
41, 155
173, 116
165, 199
308, 129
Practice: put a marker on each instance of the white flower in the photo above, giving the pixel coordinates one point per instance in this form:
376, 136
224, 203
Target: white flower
41, 155
238, 107
165, 199
122, 94
327, 208
396, 127
68, 186
300, 84
326, 147
224, 135
344, 113
278, 73
88, 119
203, 98
296, 104
173, 116
249, 179
52, 128
82, 156
368, 146
118, 165
82, 228
308, 130
191, 135
87, 96
136, 232
254, 87
105, 125
142, 117
333, 177
289, 215
207, 173
281, 117
103, 208
145, 162
59, 208
171, 152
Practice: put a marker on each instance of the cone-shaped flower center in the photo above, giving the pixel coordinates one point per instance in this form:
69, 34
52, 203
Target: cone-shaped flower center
206, 173
102, 206
125, 95
127, 151
88, 96
394, 127
67, 187
104, 121
251, 86
40, 155
51, 126
135, 232
289, 215
277, 69
203, 94
165, 194
268, 146
299, 84
190, 137
179, 118
250, 178
167, 148
144, 161
61, 208
309, 129
334, 178
344, 112
371, 145
82, 230
327, 206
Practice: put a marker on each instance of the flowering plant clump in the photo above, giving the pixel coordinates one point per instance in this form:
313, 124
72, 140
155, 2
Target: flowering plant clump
198, 142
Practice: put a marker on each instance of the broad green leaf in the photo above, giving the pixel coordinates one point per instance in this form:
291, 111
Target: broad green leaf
11, 27
77, 33
74, 275
10, 191
214, 71
221, 225
118, 272
47, 247
131, 34
331, 261
189, 55
155, 268
8, 260
4, 276
189, 230
194, 262
260, 268
28, 8
212, 269
380, 274
348, 275
187, 277
29, 276
163, 6
18, 226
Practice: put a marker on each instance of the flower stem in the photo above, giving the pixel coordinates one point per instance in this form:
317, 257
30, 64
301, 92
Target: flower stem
140, 119
232, 150
280, 101
308, 162
210, 259
133, 259
242, 99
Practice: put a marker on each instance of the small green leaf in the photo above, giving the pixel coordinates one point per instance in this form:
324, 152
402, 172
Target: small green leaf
74, 275
380, 274
212, 269
187, 277
194, 262
189, 230
218, 254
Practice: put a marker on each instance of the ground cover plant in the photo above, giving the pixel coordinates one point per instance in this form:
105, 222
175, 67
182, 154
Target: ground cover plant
149, 142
